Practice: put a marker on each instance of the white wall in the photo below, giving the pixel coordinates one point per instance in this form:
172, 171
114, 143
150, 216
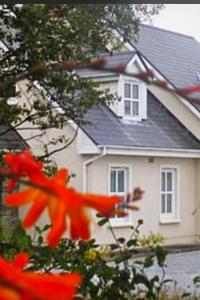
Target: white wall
147, 176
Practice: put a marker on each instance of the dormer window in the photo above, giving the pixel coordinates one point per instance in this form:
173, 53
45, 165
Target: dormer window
131, 99
133, 103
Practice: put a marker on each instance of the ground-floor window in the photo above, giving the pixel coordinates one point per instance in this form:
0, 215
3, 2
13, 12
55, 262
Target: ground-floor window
119, 180
168, 193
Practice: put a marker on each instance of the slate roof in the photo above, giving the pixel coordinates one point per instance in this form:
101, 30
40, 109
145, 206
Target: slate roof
160, 130
10, 139
175, 55
112, 61
177, 58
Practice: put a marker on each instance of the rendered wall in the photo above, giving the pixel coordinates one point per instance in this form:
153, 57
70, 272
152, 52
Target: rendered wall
144, 174
147, 176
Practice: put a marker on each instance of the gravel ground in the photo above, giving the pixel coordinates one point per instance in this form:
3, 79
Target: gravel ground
181, 267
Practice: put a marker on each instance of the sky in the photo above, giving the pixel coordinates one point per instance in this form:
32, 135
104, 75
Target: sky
182, 18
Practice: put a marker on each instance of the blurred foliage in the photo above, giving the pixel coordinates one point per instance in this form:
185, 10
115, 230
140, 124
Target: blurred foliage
37, 34
109, 271
151, 240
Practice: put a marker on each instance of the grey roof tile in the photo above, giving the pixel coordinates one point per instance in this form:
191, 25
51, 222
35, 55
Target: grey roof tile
160, 130
175, 55
111, 62
10, 139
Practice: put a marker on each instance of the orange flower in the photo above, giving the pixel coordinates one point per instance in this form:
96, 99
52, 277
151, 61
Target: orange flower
16, 284
63, 203
189, 90
23, 164
137, 194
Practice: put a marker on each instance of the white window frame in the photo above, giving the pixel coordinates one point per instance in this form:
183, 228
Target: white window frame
121, 221
120, 111
173, 216
131, 99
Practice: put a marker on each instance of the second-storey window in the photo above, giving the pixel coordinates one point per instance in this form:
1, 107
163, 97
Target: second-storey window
131, 99
119, 177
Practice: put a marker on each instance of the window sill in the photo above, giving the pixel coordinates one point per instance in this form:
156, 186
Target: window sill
170, 221
120, 224
131, 120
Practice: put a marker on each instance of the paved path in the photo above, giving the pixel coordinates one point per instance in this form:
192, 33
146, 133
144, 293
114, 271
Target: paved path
182, 267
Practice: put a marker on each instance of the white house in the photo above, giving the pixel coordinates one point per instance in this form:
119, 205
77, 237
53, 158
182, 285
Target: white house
150, 138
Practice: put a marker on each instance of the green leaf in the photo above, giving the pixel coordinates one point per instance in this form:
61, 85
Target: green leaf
161, 254
155, 279
98, 215
184, 295
24, 242
140, 221
40, 240
46, 227
114, 246
196, 279
121, 240
148, 262
38, 229
102, 222
132, 242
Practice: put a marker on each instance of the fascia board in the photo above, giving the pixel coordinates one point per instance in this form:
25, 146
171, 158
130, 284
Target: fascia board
147, 151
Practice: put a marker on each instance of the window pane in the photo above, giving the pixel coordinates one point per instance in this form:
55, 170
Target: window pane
163, 203
127, 107
113, 181
135, 91
120, 206
127, 90
169, 203
121, 181
163, 181
169, 192
135, 108
169, 181
119, 186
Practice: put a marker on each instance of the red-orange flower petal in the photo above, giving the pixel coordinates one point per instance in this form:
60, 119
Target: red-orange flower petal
20, 260
103, 204
16, 284
22, 164
8, 294
58, 225
189, 89
54, 287
35, 212
63, 203
80, 225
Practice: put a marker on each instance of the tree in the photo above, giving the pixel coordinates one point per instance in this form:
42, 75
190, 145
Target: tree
39, 34
34, 35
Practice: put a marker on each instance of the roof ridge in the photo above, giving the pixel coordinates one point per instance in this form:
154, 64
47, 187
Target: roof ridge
168, 30
118, 53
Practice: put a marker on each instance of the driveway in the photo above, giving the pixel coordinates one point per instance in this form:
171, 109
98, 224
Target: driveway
181, 267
